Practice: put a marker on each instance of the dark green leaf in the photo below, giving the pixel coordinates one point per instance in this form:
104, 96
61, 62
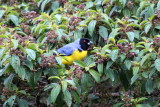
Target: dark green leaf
22, 103
79, 63
157, 64
145, 58
149, 86
100, 68
114, 55
31, 53
8, 81
103, 32
147, 27
67, 98
95, 75
128, 64
14, 19
130, 36
91, 26
134, 78
2, 13
54, 93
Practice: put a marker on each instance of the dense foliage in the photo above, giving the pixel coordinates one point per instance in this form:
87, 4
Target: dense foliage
122, 69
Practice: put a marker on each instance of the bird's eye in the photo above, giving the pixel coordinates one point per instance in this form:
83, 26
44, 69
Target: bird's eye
84, 41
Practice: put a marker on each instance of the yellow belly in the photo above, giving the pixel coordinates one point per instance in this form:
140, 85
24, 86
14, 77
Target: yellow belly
76, 55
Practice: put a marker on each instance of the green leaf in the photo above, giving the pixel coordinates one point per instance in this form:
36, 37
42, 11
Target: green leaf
64, 85
11, 100
2, 13
100, 68
22, 103
127, 63
54, 93
29, 64
31, 53
67, 98
157, 64
15, 61
71, 82
79, 63
134, 78
15, 43
110, 73
145, 58
103, 32
75, 96
8, 81
149, 86
147, 27
95, 75
135, 70
44, 3
59, 60
14, 19
21, 72
114, 33
91, 26
54, 77
114, 55
130, 36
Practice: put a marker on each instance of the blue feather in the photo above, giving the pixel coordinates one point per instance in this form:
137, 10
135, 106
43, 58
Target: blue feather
69, 48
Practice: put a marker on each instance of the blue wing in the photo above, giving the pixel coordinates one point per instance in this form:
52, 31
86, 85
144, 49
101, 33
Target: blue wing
67, 49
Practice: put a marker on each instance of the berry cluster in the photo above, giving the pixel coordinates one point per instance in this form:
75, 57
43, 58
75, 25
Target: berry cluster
47, 61
70, 88
156, 41
156, 20
130, 4
51, 36
99, 58
25, 28
124, 27
78, 71
25, 38
1, 41
62, 1
125, 48
127, 100
81, 6
74, 21
19, 53
6, 92
31, 15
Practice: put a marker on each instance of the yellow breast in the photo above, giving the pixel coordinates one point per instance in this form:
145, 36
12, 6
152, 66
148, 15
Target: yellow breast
76, 55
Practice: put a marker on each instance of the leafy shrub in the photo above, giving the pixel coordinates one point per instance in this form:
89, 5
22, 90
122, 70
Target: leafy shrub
121, 70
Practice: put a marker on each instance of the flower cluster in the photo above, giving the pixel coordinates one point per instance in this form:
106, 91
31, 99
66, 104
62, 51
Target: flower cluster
31, 15
125, 48
99, 58
51, 36
81, 6
127, 100
19, 53
74, 21
22, 39
78, 71
25, 28
47, 61
1, 41
156, 41
70, 88
63, 1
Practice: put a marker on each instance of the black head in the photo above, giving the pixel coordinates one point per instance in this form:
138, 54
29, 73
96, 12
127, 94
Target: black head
85, 43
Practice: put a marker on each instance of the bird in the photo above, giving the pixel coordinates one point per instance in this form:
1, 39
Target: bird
76, 50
